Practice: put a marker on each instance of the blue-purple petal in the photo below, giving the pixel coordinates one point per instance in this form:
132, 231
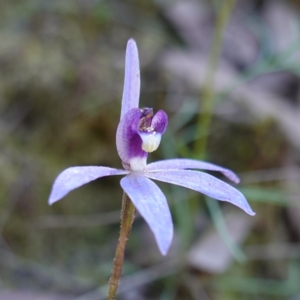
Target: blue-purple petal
182, 163
75, 177
160, 122
204, 183
152, 205
128, 140
131, 92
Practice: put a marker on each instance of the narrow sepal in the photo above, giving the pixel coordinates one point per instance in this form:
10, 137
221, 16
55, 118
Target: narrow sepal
182, 163
152, 205
131, 91
204, 183
75, 177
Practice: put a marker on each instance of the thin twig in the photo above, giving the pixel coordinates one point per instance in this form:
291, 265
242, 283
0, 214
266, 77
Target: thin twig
207, 100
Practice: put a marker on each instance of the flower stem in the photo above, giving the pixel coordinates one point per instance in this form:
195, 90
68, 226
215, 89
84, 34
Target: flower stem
127, 218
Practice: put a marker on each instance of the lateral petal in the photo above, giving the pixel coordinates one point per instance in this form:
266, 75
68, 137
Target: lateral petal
160, 122
182, 163
131, 91
75, 177
204, 183
151, 203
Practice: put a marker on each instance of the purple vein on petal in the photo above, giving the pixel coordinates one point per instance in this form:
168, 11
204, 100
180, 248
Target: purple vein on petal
204, 183
75, 177
151, 203
131, 91
182, 163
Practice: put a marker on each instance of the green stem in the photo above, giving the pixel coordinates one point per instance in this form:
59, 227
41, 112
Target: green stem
207, 100
127, 218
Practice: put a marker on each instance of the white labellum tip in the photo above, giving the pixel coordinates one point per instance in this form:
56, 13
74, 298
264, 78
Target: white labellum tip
150, 141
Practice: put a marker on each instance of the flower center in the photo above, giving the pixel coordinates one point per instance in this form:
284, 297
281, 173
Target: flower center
139, 132
151, 139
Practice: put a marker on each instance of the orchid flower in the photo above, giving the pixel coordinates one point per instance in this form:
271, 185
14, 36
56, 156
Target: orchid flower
139, 133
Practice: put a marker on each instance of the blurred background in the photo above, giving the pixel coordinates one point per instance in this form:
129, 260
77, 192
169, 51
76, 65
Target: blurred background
226, 72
